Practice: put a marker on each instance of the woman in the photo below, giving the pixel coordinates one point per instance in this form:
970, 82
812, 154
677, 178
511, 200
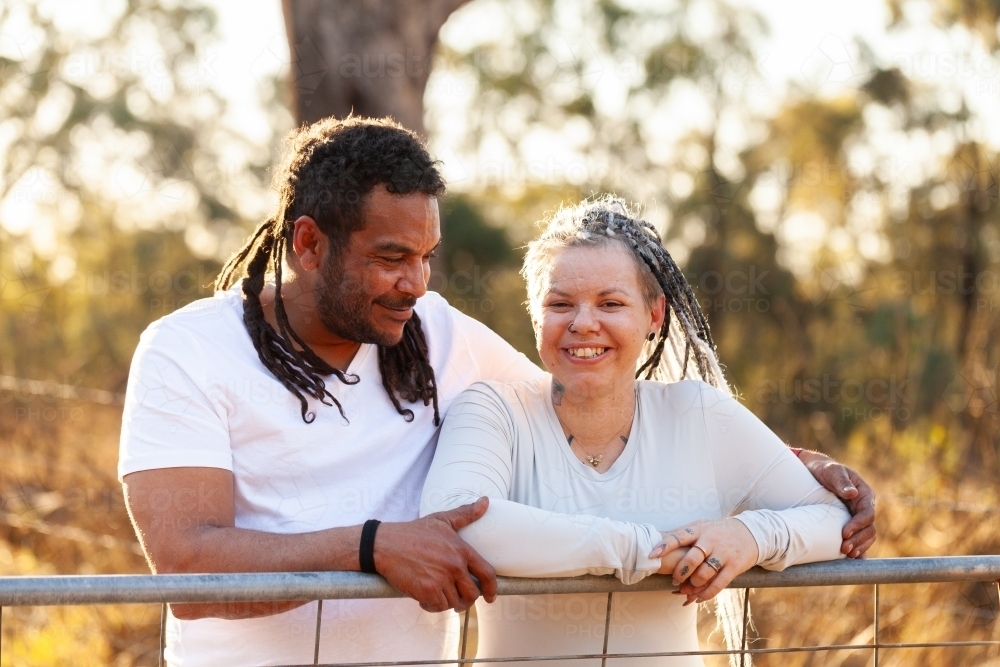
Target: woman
585, 467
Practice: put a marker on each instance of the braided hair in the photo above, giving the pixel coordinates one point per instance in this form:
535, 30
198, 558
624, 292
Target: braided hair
609, 220
328, 169
683, 337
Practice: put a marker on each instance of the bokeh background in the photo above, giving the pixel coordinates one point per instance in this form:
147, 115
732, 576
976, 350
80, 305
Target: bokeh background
826, 173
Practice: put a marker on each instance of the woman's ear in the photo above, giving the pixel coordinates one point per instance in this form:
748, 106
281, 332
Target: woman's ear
658, 313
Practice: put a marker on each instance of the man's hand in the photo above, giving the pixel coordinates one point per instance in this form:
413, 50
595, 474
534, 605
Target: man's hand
846, 484
427, 560
185, 519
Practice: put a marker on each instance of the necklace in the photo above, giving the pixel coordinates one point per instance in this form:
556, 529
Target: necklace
595, 459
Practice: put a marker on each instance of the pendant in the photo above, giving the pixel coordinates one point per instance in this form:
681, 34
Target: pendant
594, 460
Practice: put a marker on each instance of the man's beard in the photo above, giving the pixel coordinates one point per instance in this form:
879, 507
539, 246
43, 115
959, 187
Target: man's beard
345, 309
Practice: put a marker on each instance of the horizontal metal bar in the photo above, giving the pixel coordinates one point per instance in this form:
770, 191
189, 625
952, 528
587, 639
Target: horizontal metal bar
663, 654
273, 586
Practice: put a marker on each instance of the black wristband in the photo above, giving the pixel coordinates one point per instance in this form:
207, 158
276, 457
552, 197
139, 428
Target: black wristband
366, 553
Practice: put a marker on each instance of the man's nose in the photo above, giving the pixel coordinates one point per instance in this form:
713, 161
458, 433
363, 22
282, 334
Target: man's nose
414, 279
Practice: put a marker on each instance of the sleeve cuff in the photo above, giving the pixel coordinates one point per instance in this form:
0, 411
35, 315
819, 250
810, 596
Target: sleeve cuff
646, 539
189, 460
753, 522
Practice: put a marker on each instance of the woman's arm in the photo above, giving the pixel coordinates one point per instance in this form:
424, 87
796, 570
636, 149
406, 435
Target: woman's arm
762, 484
778, 513
475, 457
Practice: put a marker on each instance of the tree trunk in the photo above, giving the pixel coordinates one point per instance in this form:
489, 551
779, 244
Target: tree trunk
369, 57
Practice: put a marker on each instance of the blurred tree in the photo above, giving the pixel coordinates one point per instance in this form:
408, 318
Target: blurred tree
120, 183
369, 58
793, 221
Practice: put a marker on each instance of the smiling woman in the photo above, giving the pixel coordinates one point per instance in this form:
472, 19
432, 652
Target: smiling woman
592, 467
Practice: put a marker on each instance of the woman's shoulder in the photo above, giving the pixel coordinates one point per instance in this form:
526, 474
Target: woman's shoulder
685, 396
521, 391
509, 405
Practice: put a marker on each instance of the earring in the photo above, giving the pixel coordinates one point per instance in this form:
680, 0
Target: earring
651, 336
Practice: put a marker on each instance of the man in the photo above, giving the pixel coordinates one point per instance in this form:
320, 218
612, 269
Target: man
264, 426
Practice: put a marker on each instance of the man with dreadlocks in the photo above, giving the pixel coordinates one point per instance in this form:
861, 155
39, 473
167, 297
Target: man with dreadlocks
270, 427
273, 426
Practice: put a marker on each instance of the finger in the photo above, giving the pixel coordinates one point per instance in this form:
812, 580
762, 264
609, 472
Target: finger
691, 591
861, 547
485, 573
864, 490
468, 591
836, 479
865, 536
721, 580
460, 517
686, 567
454, 599
702, 575
436, 604
670, 561
863, 517
684, 536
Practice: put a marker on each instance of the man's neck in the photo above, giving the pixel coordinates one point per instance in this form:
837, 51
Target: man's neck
300, 307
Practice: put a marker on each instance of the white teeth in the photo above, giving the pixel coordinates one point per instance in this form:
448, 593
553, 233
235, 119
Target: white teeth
587, 352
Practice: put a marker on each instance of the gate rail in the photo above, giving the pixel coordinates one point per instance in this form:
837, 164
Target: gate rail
276, 586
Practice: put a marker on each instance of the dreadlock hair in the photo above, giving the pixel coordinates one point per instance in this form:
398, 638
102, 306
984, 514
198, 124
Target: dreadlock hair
607, 220
683, 337
328, 169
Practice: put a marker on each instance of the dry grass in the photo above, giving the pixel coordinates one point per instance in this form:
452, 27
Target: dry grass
58, 469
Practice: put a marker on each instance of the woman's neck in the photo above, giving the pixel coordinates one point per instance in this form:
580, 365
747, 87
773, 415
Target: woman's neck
597, 419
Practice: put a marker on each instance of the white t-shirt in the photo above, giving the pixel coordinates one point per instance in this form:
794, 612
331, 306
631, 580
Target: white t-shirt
694, 453
199, 396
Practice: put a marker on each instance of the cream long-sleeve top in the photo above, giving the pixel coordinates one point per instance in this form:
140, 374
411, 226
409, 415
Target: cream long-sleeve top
694, 453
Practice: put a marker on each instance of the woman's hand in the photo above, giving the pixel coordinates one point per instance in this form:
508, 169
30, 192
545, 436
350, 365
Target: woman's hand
705, 556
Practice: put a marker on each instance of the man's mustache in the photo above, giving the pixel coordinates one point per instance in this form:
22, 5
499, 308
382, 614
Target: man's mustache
397, 304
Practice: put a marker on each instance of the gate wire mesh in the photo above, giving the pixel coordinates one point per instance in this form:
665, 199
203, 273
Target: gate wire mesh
137, 589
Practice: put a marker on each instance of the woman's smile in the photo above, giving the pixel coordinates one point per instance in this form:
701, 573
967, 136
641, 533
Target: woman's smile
589, 354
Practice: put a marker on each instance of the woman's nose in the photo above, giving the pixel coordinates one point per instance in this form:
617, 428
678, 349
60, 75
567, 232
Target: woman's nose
585, 321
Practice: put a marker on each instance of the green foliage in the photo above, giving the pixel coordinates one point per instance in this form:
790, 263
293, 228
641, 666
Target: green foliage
878, 343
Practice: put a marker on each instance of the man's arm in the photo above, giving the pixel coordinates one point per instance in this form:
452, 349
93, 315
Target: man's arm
185, 520
846, 484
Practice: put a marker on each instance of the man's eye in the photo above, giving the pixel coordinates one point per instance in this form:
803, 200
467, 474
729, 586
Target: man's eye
432, 253
393, 260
